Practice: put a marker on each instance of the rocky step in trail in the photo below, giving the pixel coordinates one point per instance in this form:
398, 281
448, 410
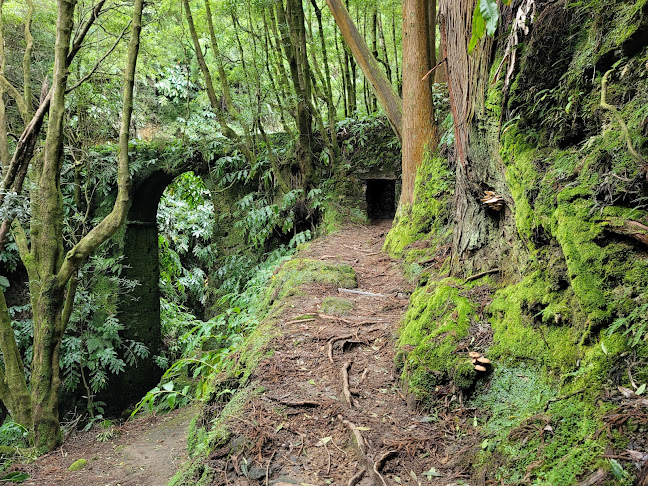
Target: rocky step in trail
332, 409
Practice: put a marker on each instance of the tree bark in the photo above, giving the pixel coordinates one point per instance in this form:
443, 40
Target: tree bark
54, 268
419, 129
387, 96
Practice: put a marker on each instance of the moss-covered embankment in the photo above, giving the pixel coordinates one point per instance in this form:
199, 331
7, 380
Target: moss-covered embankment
232, 384
563, 315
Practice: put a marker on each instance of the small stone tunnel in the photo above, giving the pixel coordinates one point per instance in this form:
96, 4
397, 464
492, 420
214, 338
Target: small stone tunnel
380, 197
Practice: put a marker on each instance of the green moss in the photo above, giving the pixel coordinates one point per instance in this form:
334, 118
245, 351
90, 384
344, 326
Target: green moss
546, 438
438, 318
428, 217
78, 465
337, 306
297, 272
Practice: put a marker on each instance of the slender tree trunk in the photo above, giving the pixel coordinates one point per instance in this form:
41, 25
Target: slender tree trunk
398, 78
327, 79
5, 157
209, 85
219, 60
29, 47
419, 129
383, 46
387, 97
294, 44
343, 70
55, 268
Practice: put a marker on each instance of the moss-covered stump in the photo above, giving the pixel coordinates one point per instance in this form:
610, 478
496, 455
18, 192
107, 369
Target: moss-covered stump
442, 325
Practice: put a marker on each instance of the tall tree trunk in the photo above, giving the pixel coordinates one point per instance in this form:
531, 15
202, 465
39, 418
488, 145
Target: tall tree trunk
294, 44
419, 130
327, 79
209, 85
387, 97
29, 47
227, 97
55, 268
4, 138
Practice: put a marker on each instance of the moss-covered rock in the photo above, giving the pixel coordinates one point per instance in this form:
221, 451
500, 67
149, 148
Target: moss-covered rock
337, 306
78, 465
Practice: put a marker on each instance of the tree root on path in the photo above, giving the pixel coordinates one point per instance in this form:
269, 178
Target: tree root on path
344, 375
357, 477
370, 467
332, 341
348, 321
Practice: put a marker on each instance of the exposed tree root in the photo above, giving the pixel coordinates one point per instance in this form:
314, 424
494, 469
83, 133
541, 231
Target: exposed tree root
344, 375
357, 477
332, 341
362, 453
624, 128
378, 465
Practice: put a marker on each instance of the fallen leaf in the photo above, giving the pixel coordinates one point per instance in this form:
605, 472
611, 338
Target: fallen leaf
432, 473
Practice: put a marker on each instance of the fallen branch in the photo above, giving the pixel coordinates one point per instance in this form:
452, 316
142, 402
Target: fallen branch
363, 376
298, 321
628, 227
481, 274
360, 292
563, 397
348, 321
332, 341
344, 375
267, 477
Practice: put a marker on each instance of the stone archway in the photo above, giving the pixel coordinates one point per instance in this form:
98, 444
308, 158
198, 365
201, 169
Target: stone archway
139, 312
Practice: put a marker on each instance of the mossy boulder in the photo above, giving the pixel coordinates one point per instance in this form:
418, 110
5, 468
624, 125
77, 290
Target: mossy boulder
438, 319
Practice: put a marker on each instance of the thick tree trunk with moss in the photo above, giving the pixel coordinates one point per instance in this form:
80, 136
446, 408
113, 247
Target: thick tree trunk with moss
49, 267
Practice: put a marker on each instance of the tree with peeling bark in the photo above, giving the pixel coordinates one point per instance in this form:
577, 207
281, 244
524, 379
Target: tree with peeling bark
51, 269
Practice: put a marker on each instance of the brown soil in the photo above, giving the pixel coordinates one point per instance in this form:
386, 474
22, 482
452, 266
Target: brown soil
146, 451
333, 410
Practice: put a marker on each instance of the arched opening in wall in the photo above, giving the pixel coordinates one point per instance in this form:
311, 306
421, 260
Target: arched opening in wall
380, 197
167, 228
185, 222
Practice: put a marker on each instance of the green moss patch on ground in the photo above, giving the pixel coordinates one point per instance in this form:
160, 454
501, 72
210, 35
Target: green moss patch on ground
337, 306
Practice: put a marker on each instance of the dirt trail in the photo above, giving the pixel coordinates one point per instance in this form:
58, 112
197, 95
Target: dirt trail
148, 451
333, 412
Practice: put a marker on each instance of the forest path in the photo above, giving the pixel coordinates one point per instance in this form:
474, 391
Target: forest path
146, 451
333, 411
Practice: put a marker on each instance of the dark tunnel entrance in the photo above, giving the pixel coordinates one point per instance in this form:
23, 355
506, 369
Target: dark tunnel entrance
381, 199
